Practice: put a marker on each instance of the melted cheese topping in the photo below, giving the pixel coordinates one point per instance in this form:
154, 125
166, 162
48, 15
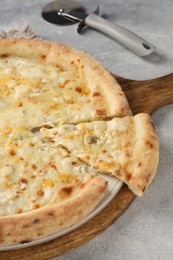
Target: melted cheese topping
105, 145
34, 94
39, 93
32, 169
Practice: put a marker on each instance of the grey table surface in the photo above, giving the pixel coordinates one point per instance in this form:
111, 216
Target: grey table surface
145, 230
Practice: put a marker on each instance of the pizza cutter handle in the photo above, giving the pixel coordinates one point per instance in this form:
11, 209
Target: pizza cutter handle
128, 39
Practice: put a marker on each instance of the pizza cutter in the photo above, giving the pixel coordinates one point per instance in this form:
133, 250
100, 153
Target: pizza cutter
67, 12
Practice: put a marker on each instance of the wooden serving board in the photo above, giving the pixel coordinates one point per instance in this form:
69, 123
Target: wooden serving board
143, 96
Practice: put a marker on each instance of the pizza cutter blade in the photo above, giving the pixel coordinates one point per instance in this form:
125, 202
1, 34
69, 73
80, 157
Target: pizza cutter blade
67, 12
50, 11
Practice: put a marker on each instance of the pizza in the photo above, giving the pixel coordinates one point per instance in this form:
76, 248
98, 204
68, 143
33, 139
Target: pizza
63, 119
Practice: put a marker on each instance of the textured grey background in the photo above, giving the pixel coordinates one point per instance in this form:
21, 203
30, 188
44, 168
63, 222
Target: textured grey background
145, 230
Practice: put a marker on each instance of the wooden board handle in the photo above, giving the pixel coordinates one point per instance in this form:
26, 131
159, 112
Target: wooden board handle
149, 95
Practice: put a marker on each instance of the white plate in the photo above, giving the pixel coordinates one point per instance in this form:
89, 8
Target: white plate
114, 185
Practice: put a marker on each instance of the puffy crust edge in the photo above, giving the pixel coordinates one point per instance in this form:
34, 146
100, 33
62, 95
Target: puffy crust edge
96, 75
69, 206
146, 155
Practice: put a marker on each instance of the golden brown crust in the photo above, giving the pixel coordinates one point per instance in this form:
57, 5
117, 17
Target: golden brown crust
146, 155
69, 206
106, 93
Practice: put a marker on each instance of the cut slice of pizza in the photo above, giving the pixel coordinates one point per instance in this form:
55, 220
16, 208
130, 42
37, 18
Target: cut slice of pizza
46, 83
43, 189
124, 147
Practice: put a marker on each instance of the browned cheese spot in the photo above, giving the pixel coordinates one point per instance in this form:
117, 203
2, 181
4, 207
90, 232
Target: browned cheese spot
128, 144
73, 163
23, 183
53, 166
22, 180
19, 211
12, 152
78, 89
43, 57
60, 67
96, 94
65, 83
37, 206
93, 139
34, 167
40, 193
20, 104
87, 157
70, 101
128, 154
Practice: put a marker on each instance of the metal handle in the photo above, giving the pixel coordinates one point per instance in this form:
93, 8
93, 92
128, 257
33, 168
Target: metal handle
128, 39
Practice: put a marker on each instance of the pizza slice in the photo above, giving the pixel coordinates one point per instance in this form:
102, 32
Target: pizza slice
124, 147
43, 189
46, 83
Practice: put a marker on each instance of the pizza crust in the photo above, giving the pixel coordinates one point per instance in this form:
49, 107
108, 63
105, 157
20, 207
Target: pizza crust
69, 206
146, 155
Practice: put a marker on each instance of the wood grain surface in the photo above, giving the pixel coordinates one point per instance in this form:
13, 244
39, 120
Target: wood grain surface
143, 96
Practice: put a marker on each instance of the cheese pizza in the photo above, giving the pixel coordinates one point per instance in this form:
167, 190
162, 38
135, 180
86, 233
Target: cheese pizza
63, 120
